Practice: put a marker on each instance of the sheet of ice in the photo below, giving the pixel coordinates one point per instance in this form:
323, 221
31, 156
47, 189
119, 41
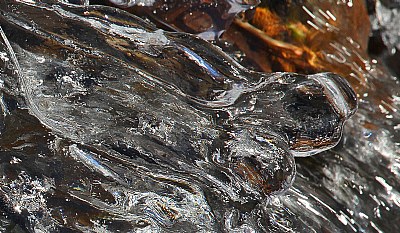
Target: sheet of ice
177, 135
387, 18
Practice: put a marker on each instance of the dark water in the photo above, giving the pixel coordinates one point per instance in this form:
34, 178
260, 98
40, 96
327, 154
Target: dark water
109, 124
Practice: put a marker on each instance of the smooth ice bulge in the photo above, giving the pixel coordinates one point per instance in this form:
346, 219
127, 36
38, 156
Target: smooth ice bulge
173, 103
129, 97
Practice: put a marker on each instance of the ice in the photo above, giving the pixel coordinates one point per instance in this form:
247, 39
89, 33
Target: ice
387, 16
130, 3
116, 125
207, 19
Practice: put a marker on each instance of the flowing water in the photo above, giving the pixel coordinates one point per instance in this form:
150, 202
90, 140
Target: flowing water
109, 124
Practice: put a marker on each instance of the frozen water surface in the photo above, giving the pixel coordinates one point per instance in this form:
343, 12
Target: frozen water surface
207, 19
109, 124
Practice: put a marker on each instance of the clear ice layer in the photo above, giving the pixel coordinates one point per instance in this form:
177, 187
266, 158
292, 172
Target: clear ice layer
109, 123
206, 19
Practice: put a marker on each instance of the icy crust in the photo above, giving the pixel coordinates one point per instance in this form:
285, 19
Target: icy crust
127, 101
163, 98
206, 19
130, 3
387, 18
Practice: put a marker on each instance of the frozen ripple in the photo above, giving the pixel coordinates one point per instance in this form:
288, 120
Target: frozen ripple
153, 129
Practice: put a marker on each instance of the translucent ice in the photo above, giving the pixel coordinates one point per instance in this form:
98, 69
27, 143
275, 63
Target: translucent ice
147, 127
387, 18
207, 19
130, 3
